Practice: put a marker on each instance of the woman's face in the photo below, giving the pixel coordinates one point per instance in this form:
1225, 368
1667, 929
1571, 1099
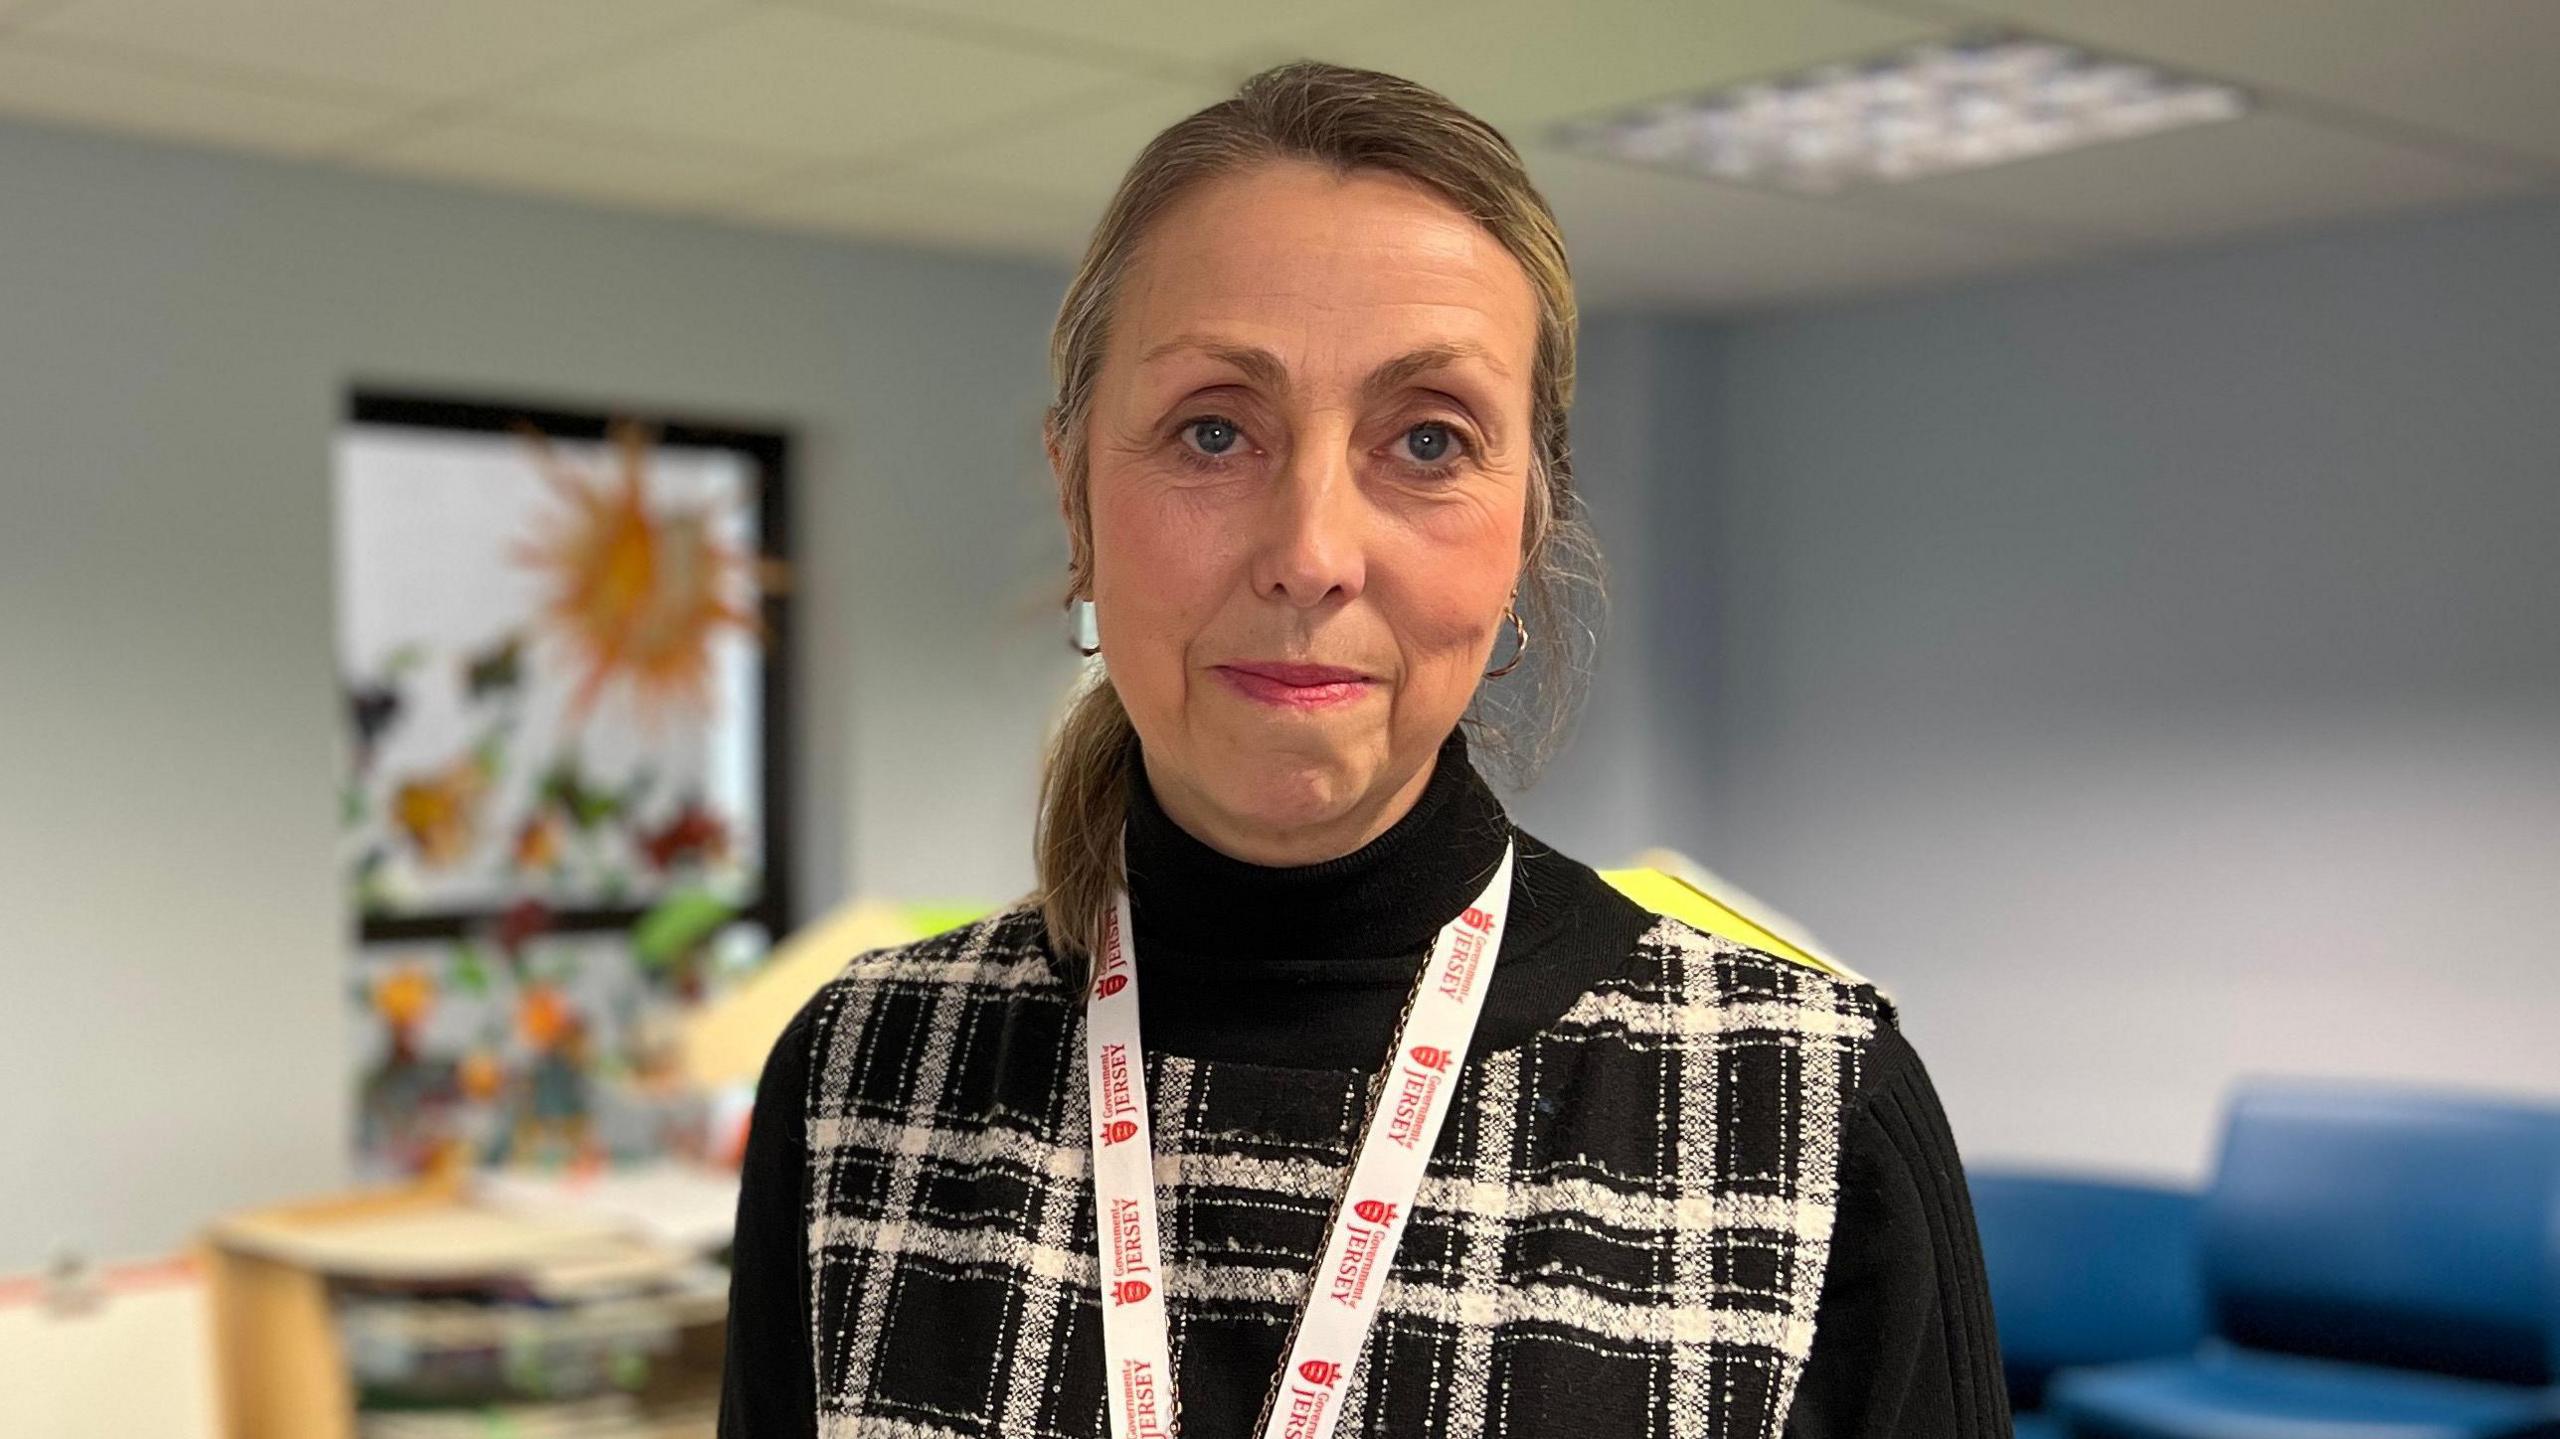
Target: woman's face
1309, 474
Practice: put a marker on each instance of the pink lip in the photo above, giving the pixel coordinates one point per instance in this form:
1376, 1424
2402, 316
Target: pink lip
1297, 686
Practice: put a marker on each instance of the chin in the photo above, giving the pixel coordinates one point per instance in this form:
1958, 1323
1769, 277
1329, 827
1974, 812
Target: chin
1287, 790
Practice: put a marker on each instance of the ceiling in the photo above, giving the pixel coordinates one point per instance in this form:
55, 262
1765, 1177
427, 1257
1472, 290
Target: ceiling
999, 126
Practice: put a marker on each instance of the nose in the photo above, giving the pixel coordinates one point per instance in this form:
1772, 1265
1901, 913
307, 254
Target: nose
1313, 542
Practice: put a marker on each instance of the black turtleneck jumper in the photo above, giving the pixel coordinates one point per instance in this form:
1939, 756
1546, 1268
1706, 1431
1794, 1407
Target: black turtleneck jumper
1310, 966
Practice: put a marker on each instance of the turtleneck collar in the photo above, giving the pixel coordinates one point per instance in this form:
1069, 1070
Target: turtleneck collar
1387, 898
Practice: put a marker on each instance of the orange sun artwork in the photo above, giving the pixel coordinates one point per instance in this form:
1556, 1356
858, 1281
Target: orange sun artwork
638, 593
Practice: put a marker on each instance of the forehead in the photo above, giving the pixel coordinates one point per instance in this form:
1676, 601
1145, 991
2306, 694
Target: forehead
1325, 270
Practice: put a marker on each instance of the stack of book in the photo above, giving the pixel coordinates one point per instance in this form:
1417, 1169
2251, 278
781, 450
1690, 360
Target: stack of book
516, 1305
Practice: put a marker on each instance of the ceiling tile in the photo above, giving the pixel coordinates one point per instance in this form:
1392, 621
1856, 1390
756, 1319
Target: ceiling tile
545, 157
2477, 70
2207, 181
1080, 151
423, 50
1644, 237
1525, 64
1183, 30
817, 85
1008, 221
1001, 125
38, 83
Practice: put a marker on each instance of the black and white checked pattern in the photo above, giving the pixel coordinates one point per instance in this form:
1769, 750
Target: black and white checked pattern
1622, 1232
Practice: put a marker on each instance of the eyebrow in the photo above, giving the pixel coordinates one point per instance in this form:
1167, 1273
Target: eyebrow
1264, 368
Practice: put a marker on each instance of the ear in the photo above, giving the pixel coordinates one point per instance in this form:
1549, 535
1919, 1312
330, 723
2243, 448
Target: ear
1058, 479
1057, 460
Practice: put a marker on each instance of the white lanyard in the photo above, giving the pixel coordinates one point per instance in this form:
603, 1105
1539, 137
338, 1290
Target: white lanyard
1368, 1223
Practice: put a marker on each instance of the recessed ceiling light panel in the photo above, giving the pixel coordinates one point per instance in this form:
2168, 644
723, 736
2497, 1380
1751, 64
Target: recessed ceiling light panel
1927, 110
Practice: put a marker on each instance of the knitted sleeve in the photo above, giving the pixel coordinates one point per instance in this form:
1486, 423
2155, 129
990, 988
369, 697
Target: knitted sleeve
1903, 1342
768, 1384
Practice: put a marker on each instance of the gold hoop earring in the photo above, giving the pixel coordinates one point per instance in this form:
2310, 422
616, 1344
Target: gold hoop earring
1513, 663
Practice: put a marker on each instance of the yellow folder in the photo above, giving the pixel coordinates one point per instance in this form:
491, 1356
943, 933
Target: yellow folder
1668, 883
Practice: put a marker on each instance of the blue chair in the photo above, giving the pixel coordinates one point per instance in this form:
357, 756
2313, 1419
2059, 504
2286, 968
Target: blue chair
2084, 1271
2379, 1264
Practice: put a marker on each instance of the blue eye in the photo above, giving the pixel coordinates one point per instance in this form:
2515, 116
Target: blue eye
1429, 441
1213, 436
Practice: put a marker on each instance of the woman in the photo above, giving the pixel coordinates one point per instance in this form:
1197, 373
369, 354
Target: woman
1306, 1094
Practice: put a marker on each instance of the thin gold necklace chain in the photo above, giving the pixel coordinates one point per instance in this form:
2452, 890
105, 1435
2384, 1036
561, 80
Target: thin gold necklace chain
1377, 1087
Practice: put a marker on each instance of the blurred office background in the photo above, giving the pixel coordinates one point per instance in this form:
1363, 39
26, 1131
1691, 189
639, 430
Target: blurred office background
2109, 595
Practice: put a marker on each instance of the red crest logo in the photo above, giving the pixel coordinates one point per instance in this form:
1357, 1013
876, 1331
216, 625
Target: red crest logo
1431, 1056
1320, 1371
1376, 1211
1130, 1291
1109, 985
1476, 919
1120, 1131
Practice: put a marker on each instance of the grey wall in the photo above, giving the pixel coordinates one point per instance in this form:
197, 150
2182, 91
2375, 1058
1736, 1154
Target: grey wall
1595, 800
2152, 674
176, 333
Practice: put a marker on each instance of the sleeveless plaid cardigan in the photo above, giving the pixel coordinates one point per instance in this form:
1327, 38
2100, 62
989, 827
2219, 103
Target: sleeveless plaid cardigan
1622, 1231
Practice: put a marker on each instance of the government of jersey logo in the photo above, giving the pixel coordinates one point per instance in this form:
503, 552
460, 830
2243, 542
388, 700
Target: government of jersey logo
1417, 1081
1138, 1400
1309, 1396
1367, 1228
1466, 956
1119, 1108
1111, 975
1128, 1248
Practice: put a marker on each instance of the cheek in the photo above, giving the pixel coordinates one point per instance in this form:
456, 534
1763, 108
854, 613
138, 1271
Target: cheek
1447, 606
1156, 579
1452, 623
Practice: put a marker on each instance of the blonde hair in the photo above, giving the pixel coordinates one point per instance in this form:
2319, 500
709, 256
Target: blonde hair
1345, 119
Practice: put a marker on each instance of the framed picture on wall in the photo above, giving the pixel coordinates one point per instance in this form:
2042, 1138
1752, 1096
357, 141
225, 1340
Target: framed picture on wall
563, 654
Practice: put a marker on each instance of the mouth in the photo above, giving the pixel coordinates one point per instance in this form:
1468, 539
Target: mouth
1295, 686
